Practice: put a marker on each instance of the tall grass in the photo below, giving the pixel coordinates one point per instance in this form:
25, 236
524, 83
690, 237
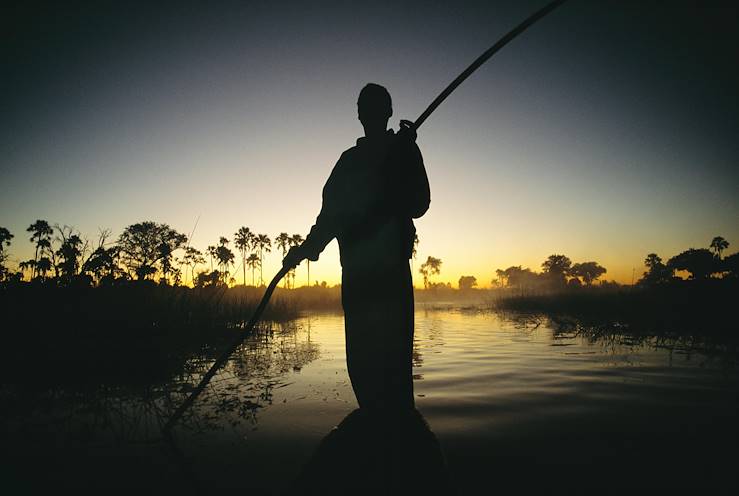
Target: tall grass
703, 308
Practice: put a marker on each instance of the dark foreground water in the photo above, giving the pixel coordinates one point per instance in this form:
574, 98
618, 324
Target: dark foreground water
512, 403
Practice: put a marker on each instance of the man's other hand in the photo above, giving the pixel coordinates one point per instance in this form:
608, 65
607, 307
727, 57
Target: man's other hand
407, 129
293, 258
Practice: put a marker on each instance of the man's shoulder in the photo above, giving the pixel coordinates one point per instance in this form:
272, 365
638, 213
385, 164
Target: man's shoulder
347, 156
342, 165
349, 152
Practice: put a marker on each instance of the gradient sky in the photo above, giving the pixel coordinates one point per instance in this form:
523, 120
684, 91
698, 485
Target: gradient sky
605, 132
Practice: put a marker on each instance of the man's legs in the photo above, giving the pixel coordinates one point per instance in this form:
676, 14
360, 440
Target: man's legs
378, 318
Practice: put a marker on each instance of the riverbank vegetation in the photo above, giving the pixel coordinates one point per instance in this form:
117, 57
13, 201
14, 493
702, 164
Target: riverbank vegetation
150, 282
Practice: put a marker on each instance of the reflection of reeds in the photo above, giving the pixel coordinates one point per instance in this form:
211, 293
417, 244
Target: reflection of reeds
57, 398
149, 339
690, 309
685, 319
146, 346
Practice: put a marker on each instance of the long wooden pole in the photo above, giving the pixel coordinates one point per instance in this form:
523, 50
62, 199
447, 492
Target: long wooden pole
484, 58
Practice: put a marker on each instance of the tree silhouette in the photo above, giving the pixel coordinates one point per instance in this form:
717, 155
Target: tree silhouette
557, 268
103, 263
27, 265
263, 244
165, 262
225, 258
252, 261
283, 242
69, 254
467, 282
587, 271
41, 237
144, 244
296, 240
430, 267
657, 273
5, 237
517, 277
653, 260
212, 278
100, 259
243, 240
43, 265
68, 259
192, 259
700, 263
718, 245
211, 251
46, 251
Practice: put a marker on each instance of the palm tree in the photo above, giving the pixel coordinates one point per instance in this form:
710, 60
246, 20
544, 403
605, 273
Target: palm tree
296, 240
41, 236
43, 265
243, 239
28, 265
263, 244
192, 259
282, 241
211, 251
430, 267
252, 261
225, 258
719, 244
501, 280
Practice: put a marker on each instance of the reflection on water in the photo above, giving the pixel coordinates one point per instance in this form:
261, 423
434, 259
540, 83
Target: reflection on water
124, 412
248, 382
503, 395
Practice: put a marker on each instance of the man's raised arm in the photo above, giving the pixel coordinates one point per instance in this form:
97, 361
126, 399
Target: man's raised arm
413, 193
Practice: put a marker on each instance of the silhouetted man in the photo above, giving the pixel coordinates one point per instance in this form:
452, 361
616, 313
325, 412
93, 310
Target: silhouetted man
370, 200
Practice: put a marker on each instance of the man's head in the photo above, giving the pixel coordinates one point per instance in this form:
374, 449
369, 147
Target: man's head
375, 108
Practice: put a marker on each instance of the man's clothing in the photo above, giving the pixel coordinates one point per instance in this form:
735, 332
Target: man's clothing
375, 190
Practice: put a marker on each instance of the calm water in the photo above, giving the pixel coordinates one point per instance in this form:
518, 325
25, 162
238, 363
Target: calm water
510, 402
